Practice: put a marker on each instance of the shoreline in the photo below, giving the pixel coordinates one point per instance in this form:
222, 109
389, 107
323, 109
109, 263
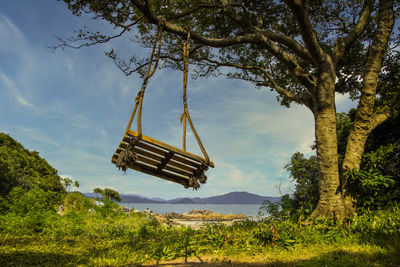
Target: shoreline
194, 218
248, 209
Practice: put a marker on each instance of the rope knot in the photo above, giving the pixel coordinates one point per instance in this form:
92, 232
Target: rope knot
138, 96
182, 117
161, 21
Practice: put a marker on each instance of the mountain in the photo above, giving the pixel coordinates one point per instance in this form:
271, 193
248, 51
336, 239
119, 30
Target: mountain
138, 199
236, 198
132, 198
240, 198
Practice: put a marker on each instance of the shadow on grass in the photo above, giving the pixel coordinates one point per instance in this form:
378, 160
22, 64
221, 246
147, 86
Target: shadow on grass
335, 258
388, 256
29, 258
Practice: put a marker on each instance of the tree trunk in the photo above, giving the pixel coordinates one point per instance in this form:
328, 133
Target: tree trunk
365, 120
330, 203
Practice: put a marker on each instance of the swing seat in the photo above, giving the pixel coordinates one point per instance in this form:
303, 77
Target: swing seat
162, 160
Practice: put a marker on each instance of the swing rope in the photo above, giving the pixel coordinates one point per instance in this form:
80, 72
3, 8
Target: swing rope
129, 156
150, 72
200, 175
185, 115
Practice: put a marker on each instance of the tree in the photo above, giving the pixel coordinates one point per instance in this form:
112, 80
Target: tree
99, 192
304, 171
68, 183
306, 51
108, 194
377, 183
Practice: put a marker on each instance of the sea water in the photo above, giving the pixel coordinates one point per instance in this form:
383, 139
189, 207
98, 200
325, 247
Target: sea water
248, 210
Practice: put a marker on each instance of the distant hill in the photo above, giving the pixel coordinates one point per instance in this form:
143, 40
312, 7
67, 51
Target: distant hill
132, 198
26, 169
236, 198
138, 199
229, 198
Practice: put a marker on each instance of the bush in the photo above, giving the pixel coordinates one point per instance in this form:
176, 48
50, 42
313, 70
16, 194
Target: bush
78, 202
35, 200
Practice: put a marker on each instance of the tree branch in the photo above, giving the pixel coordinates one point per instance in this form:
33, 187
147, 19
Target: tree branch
305, 78
92, 39
342, 44
282, 39
197, 8
172, 28
268, 81
255, 38
290, 43
310, 39
378, 119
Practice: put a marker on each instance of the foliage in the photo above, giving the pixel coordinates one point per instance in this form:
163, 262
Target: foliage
29, 211
68, 183
22, 168
344, 123
375, 186
35, 200
224, 21
378, 183
107, 193
285, 208
304, 171
90, 238
78, 202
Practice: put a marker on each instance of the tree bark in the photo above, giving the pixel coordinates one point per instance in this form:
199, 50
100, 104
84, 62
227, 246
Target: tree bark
365, 121
330, 203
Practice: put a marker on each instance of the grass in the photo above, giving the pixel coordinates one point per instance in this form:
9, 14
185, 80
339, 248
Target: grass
112, 238
28, 251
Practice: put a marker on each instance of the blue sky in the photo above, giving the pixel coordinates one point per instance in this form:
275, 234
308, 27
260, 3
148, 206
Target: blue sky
73, 105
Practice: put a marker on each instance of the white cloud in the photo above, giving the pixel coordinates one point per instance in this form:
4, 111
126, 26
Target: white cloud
15, 92
13, 40
344, 103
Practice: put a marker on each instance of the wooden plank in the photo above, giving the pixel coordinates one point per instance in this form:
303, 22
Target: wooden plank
180, 171
164, 161
144, 145
147, 146
142, 152
168, 147
123, 145
152, 148
155, 163
172, 162
145, 153
186, 161
182, 166
151, 171
163, 175
148, 161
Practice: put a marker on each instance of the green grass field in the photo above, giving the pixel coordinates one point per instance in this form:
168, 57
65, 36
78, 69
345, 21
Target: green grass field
118, 239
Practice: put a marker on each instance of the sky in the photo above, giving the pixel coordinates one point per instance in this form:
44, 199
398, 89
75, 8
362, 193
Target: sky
72, 106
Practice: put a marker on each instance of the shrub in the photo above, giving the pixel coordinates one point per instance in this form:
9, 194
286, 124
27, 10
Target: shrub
78, 202
35, 200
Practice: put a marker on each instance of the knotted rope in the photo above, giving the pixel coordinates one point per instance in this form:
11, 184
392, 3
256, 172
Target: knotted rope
200, 174
128, 156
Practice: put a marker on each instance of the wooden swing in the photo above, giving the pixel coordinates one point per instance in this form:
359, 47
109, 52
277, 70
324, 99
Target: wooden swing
147, 155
